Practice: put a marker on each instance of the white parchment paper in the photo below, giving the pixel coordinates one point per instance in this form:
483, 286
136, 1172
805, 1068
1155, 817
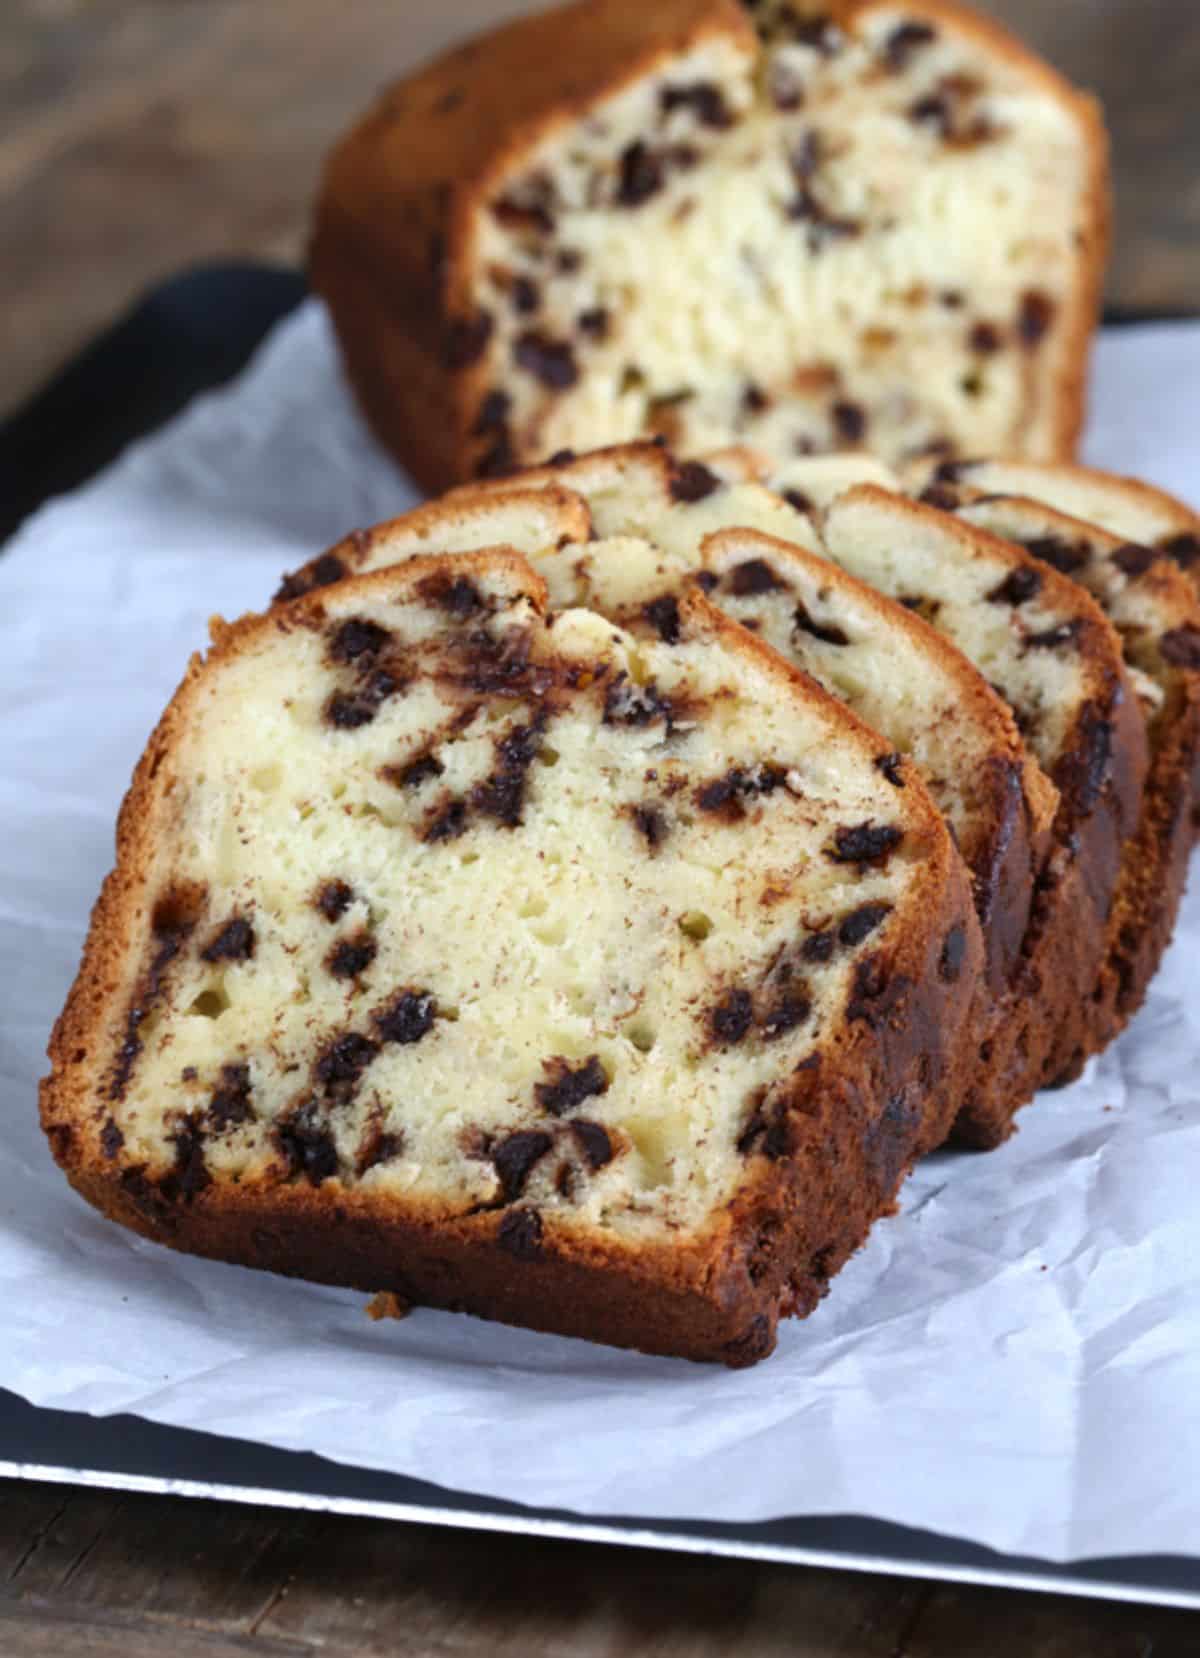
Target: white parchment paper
1014, 1359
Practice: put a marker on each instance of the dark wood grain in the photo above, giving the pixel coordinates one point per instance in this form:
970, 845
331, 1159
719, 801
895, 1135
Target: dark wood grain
137, 136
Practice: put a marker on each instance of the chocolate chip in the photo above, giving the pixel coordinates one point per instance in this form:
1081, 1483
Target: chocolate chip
502, 794
498, 459
945, 499
767, 1132
1184, 548
790, 1010
652, 824
307, 1144
230, 1103
467, 340
343, 1062
520, 1234
1181, 647
526, 296
641, 175
903, 41
829, 632
447, 823
111, 1139
1133, 560
785, 89
357, 637
548, 360
333, 899
190, 1175
1065, 556
875, 995
407, 1018
663, 614
234, 942
693, 482
1019, 585
703, 98
861, 923
562, 457
351, 956
754, 399
933, 110
821, 33
1035, 316
457, 595
817, 947
594, 323
1065, 633
954, 953
753, 576
416, 772
515, 1157
594, 1142
523, 216
798, 499
322, 572
348, 710
737, 784
732, 1017
706, 580
849, 422
985, 338
865, 843
377, 1147
635, 705
569, 1085
493, 412
568, 260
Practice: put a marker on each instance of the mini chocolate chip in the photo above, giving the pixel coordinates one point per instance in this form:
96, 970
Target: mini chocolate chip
1035, 316
706, 580
703, 98
985, 338
652, 824
322, 572
798, 499
875, 995
351, 956
111, 1139
663, 614
693, 482
849, 421
348, 710
945, 499
889, 765
562, 457
333, 899
467, 340
548, 360
515, 1157
790, 1010
932, 110
754, 399
357, 637
520, 1234
568, 260
861, 923
377, 1147
864, 843
343, 1062
307, 1144
1184, 548
785, 88
230, 1102
1133, 560
904, 40
594, 323
752, 576
457, 595
447, 823
1019, 585
594, 1142
1065, 633
820, 33
829, 632
635, 705
738, 783
493, 412
415, 773
234, 942
1065, 556
497, 459
407, 1018
732, 1017
190, 1175
569, 1085
1181, 647
817, 947
521, 215
526, 296
641, 175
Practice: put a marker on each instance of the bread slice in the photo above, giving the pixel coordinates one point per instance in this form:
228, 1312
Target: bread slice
864, 222
1154, 610
496, 959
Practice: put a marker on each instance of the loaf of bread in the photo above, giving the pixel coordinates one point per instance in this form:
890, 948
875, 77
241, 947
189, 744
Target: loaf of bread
810, 225
493, 957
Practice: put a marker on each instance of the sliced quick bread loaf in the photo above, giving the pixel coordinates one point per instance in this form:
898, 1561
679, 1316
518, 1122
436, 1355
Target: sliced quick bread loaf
465, 950
807, 226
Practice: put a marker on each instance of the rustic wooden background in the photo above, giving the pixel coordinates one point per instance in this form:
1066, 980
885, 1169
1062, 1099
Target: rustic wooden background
137, 136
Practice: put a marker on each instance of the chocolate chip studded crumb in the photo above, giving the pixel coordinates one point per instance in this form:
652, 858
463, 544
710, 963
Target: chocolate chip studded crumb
307, 1146
568, 1086
1034, 319
333, 899
642, 175
322, 572
828, 632
594, 1142
753, 576
234, 942
904, 42
520, 1234
111, 1139
515, 1157
954, 953
1181, 647
467, 340
1184, 549
351, 956
849, 421
407, 1017
663, 614
693, 482
1133, 560
865, 843
1021, 584
732, 1017
230, 1103
861, 923
651, 824
548, 360
340, 1067
356, 638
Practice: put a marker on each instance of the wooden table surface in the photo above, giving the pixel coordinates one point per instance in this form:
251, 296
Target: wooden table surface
137, 136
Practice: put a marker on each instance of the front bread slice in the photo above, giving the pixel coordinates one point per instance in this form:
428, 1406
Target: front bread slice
487, 955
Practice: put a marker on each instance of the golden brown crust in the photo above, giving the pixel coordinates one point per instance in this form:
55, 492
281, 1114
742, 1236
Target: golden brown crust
884, 1090
394, 230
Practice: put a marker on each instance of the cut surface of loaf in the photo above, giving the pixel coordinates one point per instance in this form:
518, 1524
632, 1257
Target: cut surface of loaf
493, 957
1153, 608
805, 227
